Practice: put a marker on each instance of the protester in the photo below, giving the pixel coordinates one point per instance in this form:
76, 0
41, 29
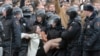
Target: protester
36, 48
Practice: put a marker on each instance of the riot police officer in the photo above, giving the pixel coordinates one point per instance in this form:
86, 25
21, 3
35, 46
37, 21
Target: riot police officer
27, 18
11, 41
17, 16
40, 18
71, 35
55, 29
91, 32
26, 25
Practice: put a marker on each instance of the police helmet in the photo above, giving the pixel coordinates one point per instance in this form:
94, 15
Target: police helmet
53, 18
72, 8
17, 10
26, 11
72, 12
8, 9
48, 15
7, 6
40, 11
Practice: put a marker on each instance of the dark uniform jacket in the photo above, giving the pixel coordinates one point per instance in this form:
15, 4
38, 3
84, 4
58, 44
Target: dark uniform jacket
12, 32
26, 25
55, 32
43, 23
71, 35
91, 33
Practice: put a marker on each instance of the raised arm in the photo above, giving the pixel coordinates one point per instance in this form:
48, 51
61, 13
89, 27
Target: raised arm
57, 6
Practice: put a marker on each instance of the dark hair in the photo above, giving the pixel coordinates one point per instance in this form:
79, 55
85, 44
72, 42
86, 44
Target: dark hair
33, 29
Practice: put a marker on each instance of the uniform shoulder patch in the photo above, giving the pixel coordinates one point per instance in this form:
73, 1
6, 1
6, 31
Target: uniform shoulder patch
17, 22
70, 28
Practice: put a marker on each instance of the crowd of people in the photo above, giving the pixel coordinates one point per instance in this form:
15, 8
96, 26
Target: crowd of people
50, 27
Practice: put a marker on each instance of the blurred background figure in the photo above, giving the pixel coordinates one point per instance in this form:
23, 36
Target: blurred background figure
8, 1
1, 2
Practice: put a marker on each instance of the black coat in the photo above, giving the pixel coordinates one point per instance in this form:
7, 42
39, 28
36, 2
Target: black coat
26, 27
69, 38
43, 23
12, 33
71, 35
91, 33
26, 24
55, 32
